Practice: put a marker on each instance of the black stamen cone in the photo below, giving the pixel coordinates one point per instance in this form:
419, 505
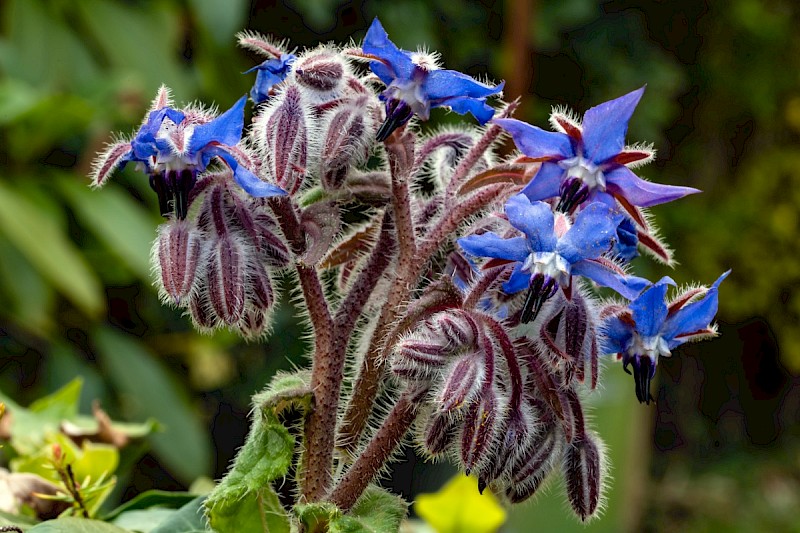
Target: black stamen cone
481, 485
183, 183
572, 194
164, 192
541, 289
397, 114
643, 372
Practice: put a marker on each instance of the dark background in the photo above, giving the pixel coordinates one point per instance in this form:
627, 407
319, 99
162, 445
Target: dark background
719, 451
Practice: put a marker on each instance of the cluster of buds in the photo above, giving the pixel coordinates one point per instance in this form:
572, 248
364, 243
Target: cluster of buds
493, 327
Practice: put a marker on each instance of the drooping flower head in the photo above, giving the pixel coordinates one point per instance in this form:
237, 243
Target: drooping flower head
589, 162
270, 73
415, 84
553, 250
173, 146
649, 328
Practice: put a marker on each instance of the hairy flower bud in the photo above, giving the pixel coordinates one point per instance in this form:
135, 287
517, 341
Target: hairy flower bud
440, 432
253, 323
346, 135
178, 249
272, 250
419, 358
260, 293
533, 467
226, 278
463, 382
203, 315
322, 73
281, 133
583, 474
480, 428
457, 328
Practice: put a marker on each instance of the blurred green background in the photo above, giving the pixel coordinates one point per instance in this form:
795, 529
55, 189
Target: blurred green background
719, 451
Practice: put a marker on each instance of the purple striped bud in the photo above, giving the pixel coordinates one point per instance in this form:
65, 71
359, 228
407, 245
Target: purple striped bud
584, 470
516, 439
419, 358
271, 248
440, 432
253, 323
457, 328
480, 429
259, 288
463, 382
346, 135
281, 132
178, 249
322, 73
533, 468
203, 315
226, 278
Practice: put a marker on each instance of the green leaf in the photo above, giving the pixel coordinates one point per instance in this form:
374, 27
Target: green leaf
150, 391
23, 522
284, 391
152, 499
144, 520
75, 525
376, 510
257, 511
29, 427
116, 219
48, 248
459, 508
187, 519
238, 503
31, 296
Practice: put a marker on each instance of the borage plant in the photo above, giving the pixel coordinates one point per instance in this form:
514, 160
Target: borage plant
457, 304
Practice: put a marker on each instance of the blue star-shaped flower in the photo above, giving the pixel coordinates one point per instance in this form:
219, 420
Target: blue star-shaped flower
592, 154
174, 146
553, 250
650, 328
270, 73
414, 84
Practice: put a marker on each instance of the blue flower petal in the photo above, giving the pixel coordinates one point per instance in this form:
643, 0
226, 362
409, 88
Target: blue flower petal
492, 245
605, 126
226, 129
546, 183
694, 316
440, 84
627, 286
591, 235
246, 179
535, 220
395, 62
270, 73
146, 144
618, 335
623, 182
462, 105
649, 310
518, 281
536, 142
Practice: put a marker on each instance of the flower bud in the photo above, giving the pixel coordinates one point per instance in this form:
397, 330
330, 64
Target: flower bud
253, 323
178, 249
345, 139
419, 358
321, 73
440, 432
583, 475
281, 132
203, 315
457, 328
463, 382
226, 279
260, 293
271, 248
480, 429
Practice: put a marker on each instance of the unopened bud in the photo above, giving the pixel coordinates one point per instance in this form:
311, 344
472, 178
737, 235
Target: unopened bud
456, 327
260, 290
253, 323
271, 248
440, 432
226, 279
583, 475
419, 358
463, 382
345, 137
281, 131
322, 73
203, 315
178, 249
480, 428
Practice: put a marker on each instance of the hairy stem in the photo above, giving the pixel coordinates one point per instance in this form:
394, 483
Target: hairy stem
378, 451
383, 337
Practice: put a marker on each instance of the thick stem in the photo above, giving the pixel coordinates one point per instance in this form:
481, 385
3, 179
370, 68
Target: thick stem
400, 150
378, 451
370, 376
326, 369
486, 280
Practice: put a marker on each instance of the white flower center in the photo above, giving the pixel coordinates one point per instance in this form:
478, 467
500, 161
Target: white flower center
411, 93
652, 347
550, 264
586, 171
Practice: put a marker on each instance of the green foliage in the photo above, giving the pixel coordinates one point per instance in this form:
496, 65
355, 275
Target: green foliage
74, 525
376, 510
